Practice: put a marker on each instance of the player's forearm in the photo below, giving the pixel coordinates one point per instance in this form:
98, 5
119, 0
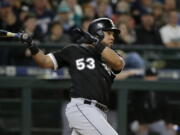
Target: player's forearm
112, 59
42, 60
39, 58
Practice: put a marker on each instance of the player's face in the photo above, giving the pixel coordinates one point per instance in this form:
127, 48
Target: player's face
108, 38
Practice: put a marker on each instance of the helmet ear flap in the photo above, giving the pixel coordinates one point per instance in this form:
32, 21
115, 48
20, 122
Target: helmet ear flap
100, 34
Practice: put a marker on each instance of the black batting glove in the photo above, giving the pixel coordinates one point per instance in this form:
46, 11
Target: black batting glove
26, 39
85, 37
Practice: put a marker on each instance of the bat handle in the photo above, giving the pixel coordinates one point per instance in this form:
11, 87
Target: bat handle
3, 33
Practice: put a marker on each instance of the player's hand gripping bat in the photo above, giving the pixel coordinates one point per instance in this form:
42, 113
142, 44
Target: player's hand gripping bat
84, 37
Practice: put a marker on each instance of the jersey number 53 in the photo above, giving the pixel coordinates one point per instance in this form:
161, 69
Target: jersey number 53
83, 63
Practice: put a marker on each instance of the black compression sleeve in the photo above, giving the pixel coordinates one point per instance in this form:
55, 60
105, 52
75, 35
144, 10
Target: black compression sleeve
34, 50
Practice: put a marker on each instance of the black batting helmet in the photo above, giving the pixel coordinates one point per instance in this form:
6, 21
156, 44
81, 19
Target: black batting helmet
97, 26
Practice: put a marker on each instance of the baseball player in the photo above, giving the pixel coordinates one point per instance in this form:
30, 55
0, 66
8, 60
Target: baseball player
92, 66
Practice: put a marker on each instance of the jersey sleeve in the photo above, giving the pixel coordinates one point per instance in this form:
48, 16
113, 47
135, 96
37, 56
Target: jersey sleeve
62, 57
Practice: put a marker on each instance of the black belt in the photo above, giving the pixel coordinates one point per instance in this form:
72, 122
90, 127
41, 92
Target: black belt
98, 105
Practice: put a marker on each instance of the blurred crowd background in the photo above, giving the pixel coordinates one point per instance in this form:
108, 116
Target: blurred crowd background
143, 23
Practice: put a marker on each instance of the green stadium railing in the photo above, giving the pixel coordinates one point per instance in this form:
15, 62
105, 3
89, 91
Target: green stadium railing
149, 47
147, 51
122, 87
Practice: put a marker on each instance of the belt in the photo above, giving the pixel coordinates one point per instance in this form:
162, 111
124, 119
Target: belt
98, 105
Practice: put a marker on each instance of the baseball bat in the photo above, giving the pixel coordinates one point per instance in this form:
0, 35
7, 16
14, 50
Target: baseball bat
4, 33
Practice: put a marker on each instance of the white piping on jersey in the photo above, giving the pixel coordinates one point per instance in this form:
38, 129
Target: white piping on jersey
108, 69
53, 60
